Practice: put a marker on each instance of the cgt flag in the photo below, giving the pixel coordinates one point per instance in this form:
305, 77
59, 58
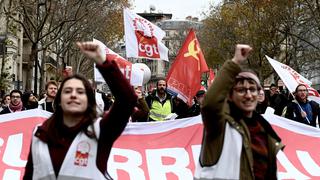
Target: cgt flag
184, 76
292, 79
143, 39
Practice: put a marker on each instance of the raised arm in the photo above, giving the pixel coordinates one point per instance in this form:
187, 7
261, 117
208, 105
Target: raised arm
214, 102
125, 97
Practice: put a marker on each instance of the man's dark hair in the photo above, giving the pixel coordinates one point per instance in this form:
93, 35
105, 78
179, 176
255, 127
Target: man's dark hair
299, 85
15, 91
161, 79
273, 85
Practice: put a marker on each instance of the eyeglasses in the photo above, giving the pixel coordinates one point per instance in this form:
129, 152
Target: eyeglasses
242, 90
15, 97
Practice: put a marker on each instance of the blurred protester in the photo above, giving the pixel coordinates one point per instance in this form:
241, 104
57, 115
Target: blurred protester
29, 100
15, 104
262, 102
108, 101
51, 91
180, 108
301, 109
276, 100
99, 98
73, 143
159, 102
141, 110
42, 94
237, 143
5, 102
198, 99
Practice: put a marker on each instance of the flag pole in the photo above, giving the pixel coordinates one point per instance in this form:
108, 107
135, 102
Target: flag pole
300, 107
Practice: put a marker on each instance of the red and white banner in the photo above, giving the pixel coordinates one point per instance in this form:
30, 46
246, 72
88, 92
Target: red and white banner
15, 139
143, 39
160, 150
292, 79
130, 71
184, 76
300, 159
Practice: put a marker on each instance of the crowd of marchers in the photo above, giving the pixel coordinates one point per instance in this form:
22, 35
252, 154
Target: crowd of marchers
86, 118
159, 105
294, 106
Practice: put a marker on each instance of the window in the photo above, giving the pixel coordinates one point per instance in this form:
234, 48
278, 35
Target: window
167, 33
167, 43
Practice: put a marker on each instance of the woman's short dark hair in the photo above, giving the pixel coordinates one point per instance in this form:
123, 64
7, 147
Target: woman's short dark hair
57, 117
241, 79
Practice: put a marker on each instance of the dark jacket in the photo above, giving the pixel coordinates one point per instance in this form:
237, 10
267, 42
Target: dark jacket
180, 108
111, 125
293, 112
6, 110
278, 102
141, 111
153, 97
194, 110
261, 108
216, 113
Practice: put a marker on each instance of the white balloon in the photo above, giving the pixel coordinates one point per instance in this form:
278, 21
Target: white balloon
146, 71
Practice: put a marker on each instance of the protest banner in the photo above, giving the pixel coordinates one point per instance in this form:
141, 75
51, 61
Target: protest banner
15, 139
161, 150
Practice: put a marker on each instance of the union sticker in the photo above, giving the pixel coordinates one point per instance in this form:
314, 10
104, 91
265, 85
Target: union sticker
82, 154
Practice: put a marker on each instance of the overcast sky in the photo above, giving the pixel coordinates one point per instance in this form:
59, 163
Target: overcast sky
179, 8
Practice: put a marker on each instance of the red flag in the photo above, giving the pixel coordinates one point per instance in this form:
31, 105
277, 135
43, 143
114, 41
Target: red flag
211, 77
184, 76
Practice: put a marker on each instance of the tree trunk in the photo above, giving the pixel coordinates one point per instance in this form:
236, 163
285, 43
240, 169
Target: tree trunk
42, 70
33, 63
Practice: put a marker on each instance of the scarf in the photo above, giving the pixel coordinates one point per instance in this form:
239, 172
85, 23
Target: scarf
14, 108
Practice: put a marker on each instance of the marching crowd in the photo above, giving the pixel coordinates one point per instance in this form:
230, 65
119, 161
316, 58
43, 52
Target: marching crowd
230, 111
158, 104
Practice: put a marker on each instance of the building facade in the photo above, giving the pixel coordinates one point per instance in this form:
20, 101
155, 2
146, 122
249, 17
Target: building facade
17, 68
11, 42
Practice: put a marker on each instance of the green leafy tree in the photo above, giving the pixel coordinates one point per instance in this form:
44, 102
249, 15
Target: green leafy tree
280, 29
